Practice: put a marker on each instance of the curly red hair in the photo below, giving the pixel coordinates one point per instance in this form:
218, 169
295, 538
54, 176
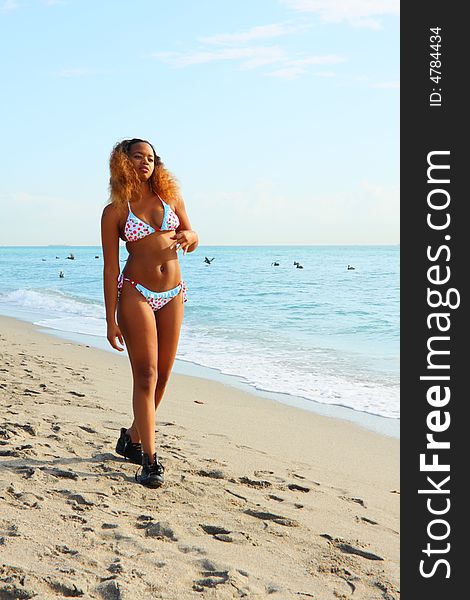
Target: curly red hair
124, 183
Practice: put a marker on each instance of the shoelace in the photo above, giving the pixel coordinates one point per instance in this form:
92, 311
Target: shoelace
155, 468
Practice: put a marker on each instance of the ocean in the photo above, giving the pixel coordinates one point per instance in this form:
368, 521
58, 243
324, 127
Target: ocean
323, 333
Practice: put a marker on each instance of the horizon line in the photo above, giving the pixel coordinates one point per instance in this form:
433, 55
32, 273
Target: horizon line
205, 245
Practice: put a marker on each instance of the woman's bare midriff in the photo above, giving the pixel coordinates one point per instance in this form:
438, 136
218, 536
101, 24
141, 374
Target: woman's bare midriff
152, 263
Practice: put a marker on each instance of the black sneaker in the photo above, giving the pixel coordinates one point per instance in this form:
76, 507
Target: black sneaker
127, 448
152, 472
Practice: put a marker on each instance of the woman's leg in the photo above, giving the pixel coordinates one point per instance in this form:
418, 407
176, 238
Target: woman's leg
168, 320
137, 323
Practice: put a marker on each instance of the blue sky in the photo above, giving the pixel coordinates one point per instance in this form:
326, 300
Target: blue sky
280, 118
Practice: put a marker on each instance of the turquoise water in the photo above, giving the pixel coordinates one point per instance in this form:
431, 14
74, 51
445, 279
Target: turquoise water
324, 333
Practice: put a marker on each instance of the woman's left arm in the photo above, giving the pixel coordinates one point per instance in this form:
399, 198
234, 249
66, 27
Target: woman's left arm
185, 238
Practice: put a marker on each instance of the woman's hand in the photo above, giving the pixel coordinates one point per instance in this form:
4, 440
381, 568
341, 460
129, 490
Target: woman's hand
114, 332
184, 239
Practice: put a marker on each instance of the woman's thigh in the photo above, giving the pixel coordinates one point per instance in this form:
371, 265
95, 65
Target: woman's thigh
168, 320
137, 324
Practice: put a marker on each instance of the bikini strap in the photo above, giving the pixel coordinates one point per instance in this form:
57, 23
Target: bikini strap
121, 279
163, 202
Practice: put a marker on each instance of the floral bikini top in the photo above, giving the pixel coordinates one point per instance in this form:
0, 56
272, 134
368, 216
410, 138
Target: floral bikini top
136, 229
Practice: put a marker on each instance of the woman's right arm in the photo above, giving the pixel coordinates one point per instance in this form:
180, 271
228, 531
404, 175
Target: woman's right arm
110, 245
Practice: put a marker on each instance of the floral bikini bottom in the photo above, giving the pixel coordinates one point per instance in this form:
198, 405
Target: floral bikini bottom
156, 300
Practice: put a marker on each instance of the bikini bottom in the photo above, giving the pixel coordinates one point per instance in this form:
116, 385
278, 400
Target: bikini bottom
156, 300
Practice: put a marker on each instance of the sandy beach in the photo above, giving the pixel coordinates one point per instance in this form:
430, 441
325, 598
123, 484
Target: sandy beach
261, 500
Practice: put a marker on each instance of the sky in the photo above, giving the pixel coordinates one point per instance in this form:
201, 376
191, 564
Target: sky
279, 118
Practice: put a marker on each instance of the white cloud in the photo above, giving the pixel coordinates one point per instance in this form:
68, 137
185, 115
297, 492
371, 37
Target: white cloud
359, 13
386, 85
255, 33
291, 69
9, 5
325, 74
287, 72
251, 57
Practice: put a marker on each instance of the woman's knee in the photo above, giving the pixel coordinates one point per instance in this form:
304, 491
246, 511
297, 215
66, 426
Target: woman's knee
145, 376
163, 378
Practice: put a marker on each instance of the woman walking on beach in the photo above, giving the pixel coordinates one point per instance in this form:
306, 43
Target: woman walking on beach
145, 303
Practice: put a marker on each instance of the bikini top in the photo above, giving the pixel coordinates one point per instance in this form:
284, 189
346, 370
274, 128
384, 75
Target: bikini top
136, 229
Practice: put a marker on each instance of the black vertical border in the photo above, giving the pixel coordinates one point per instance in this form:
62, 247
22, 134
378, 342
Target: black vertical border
424, 129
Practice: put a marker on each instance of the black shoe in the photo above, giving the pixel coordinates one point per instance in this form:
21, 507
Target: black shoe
152, 472
127, 448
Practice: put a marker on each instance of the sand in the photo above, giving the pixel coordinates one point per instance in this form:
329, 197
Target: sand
261, 500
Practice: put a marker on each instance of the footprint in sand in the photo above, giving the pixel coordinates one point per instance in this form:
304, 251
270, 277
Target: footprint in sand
78, 394
242, 446
348, 548
29, 392
13, 428
212, 473
298, 488
214, 529
223, 534
255, 483
237, 495
276, 498
88, 429
356, 500
185, 549
212, 575
268, 516
162, 530
64, 549
61, 473
372, 522
269, 476
366, 520
306, 480
9, 452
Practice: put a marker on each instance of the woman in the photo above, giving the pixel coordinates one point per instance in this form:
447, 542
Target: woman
144, 303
